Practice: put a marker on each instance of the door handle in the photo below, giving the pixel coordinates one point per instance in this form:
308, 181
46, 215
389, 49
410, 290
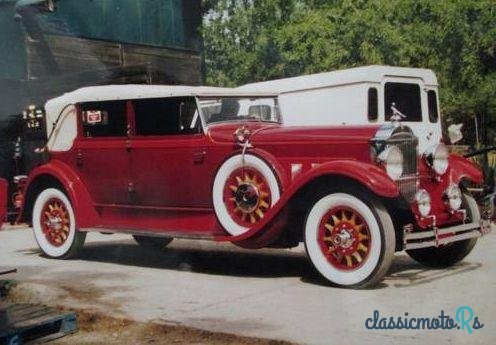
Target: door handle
79, 158
199, 157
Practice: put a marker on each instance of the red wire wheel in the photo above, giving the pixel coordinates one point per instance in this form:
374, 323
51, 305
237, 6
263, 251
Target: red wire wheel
344, 238
55, 222
246, 196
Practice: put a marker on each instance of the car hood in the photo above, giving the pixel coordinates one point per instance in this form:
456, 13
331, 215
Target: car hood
269, 133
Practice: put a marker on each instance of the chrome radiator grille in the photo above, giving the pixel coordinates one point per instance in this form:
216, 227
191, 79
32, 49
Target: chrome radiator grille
408, 144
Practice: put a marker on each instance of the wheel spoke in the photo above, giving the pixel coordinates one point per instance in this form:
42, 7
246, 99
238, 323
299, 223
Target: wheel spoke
362, 247
349, 262
357, 256
259, 213
264, 204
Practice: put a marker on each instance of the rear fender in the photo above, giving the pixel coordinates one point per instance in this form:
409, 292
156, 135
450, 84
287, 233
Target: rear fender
85, 213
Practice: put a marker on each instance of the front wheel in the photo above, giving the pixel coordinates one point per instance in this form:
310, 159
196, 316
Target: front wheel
451, 253
54, 225
350, 242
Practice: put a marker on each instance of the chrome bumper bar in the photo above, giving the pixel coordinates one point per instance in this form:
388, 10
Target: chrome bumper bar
437, 237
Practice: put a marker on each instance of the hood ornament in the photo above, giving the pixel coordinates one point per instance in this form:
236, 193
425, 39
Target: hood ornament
397, 116
242, 138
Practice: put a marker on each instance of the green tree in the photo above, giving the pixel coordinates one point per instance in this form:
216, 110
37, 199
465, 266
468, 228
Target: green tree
255, 40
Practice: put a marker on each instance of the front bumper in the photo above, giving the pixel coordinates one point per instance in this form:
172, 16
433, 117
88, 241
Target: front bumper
437, 237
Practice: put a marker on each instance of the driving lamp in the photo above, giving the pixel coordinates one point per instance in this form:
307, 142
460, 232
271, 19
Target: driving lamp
423, 200
437, 158
392, 159
453, 196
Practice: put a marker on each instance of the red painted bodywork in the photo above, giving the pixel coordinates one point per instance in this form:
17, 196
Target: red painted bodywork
164, 184
459, 169
3, 201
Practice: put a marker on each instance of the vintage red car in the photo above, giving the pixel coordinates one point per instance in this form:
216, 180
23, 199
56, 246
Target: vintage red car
160, 162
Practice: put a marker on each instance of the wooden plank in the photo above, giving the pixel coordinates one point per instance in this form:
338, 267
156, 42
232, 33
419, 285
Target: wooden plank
73, 54
30, 322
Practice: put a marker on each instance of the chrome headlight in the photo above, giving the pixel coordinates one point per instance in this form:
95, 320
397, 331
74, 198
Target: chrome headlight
423, 200
437, 158
392, 159
453, 196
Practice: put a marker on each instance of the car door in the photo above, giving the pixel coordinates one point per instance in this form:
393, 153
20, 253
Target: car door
169, 157
101, 155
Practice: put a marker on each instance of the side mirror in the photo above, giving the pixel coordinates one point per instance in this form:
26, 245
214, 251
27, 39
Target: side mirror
455, 133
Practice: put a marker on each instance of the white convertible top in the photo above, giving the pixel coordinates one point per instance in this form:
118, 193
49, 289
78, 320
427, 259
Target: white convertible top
374, 74
132, 91
66, 129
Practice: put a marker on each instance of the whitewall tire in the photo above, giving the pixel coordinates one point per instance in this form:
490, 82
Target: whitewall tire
54, 225
351, 243
243, 191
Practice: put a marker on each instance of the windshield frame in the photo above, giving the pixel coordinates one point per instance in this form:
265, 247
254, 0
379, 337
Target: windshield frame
205, 124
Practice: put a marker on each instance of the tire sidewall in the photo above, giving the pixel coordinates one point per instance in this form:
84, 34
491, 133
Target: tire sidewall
47, 248
233, 163
374, 259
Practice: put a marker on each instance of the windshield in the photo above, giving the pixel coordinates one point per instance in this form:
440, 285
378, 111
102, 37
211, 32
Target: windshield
222, 109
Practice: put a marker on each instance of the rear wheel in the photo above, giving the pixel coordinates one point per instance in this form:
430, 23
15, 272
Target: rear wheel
152, 242
451, 253
54, 225
350, 242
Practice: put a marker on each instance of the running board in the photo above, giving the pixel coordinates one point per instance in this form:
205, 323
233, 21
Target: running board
148, 233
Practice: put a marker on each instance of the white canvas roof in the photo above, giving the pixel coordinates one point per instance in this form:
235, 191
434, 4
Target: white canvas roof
373, 74
62, 106
130, 91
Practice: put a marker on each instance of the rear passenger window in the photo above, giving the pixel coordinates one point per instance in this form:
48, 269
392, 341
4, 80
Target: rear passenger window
104, 119
432, 101
166, 116
372, 105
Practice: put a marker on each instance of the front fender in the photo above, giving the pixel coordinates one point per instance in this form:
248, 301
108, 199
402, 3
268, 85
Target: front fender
85, 213
462, 168
368, 175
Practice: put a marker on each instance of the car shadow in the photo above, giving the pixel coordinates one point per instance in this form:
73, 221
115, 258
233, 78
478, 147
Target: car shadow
227, 260
406, 272
211, 259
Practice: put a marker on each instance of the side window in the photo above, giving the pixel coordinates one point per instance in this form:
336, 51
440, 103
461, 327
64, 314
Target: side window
432, 102
373, 105
166, 116
104, 119
406, 97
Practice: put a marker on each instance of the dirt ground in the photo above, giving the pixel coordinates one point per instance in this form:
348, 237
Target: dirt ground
97, 328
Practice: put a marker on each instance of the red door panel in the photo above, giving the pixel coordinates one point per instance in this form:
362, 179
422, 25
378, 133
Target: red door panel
171, 171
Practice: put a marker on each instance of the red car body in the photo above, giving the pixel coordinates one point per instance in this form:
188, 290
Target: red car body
162, 185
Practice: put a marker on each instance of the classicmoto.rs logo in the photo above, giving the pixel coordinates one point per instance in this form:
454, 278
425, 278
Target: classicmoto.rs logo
465, 320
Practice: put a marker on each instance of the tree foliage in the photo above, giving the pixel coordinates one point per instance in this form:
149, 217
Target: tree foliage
255, 40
